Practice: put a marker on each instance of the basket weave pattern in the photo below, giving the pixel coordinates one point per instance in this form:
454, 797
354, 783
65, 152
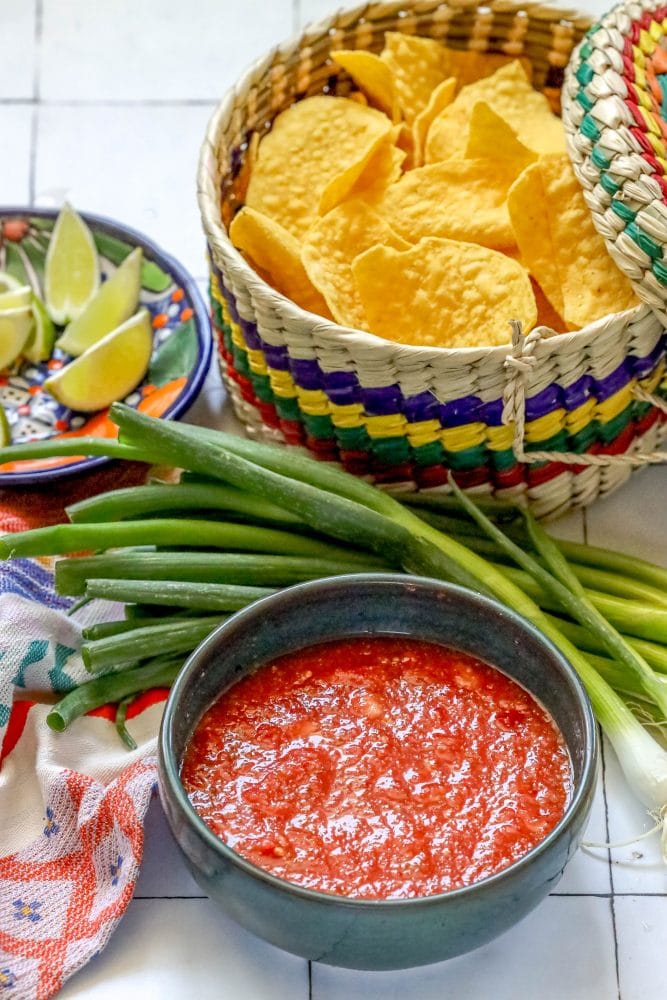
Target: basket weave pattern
406, 415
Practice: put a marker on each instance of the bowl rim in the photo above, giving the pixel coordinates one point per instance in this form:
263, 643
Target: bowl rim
201, 319
168, 767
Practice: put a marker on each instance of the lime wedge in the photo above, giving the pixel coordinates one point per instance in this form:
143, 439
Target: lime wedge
40, 343
72, 269
5, 430
17, 298
8, 283
108, 370
15, 328
115, 302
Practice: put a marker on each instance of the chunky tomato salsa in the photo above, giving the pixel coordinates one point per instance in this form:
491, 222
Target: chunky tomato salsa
378, 768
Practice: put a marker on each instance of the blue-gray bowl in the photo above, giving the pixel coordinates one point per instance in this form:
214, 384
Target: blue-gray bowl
362, 933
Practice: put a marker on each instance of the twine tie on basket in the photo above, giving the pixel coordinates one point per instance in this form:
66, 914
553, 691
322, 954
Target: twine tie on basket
519, 364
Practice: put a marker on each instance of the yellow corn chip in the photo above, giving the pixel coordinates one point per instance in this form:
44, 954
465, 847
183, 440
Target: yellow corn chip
491, 138
383, 169
561, 247
440, 98
455, 199
418, 66
468, 66
311, 158
546, 314
331, 245
274, 252
372, 76
442, 293
511, 96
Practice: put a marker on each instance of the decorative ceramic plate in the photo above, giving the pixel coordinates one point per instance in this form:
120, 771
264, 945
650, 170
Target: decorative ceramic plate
182, 342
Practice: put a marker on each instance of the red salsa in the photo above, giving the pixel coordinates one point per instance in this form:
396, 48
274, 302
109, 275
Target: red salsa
378, 768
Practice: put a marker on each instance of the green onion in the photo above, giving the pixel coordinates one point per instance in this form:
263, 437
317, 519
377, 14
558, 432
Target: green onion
102, 630
78, 446
121, 728
112, 688
174, 593
117, 651
248, 569
136, 501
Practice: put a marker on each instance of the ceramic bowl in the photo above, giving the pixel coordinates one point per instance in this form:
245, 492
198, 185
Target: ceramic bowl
375, 934
182, 342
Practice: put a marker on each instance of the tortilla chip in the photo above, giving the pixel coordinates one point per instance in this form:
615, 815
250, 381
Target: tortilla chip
546, 314
508, 93
440, 98
384, 168
455, 199
331, 245
418, 66
275, 254
561, 247
491, 138
468, 66
311, 158
372, 76
441, 293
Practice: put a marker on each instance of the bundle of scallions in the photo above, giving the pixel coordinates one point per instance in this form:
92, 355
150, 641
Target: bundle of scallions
247, 518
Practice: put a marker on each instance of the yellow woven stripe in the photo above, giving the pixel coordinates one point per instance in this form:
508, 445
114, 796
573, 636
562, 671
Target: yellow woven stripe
579, 418
350, 415
652, 381
423, 432
500, 438
656, 30
650, 123
237, 337
257, 362
282, 383
460, 438
658, 144
646, 42
313, 401
640, 78
546, 426
611, 407
224, 308
644, 99
392, 425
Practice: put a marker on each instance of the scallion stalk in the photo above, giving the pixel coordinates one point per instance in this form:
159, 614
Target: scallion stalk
174, 593
116, 651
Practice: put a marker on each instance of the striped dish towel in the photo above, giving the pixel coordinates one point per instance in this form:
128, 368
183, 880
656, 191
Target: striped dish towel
72, 804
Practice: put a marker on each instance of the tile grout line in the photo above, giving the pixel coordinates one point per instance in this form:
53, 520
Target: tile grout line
36, 88
310, 980
611, 873
110, 102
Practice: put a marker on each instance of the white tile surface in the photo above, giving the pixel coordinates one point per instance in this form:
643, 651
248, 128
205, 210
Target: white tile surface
147, 51
642, 944
182, 948
546, 957
137, 164
15, 126
17, 48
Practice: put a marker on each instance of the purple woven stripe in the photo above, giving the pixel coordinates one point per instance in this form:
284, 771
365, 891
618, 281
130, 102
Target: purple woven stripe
641, 367
252, 338
421, 407
606, 387
382, 402
543, 402
461, 411
576, 394
276, 357
491, 413
307, 374
342, 388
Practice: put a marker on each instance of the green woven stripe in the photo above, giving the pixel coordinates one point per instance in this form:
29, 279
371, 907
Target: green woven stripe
352, 438
589, 128
583, 439
659, 269
644, 241
640, 409
240, 360
599, 159
469, 458
393, 451
287, 408
262, 387
503, 460
585, 50
227, 338
623, 211
609, 432
429, 454
610, 186
319, 426
585, 74
583, 99
558, 442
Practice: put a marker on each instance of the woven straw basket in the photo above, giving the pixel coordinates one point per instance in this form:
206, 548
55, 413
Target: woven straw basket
556, 419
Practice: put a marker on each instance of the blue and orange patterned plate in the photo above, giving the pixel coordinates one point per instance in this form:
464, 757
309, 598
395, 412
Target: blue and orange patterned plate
182, 342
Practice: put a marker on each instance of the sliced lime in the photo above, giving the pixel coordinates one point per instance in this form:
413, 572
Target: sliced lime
72, 268
108, 370
40, 343
15, 328
115, 302
17, 298
8, 283
5, 429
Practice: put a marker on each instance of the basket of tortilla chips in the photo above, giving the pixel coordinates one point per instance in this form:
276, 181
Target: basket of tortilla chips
405, 276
